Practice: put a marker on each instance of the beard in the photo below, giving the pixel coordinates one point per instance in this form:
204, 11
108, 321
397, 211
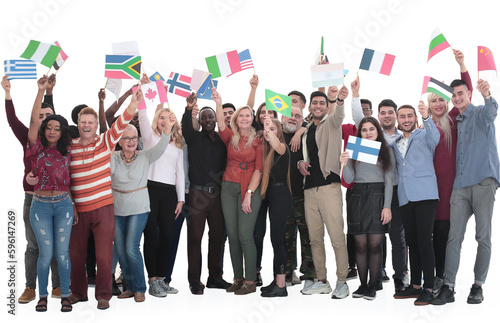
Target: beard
290, 128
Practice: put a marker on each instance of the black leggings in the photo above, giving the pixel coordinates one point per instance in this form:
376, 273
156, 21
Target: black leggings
280, 206
418, 221
440, 238
159, 229
368, 256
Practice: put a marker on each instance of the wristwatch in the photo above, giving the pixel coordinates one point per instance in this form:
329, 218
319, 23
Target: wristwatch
249, 191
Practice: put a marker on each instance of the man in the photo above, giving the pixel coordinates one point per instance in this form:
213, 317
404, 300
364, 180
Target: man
474, 188
207, 160
91, 192
418, 197
387, 118
228, 109
366, 106
296, 220
322, 146
21, 133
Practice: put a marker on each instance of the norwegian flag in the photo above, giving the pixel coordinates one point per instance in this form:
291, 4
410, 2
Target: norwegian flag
179, 84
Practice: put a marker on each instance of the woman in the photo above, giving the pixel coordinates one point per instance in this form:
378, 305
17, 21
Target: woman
369, 206
444, 165
129, 175
51, 214
260, 225
275, 189
240, 194
166, 195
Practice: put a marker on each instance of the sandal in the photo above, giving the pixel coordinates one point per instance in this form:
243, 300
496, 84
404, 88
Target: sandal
66, 305
42, 305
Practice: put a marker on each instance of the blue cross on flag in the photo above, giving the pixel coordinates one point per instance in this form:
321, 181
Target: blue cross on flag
364, 150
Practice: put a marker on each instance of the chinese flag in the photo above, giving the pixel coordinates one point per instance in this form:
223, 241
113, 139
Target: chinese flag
485, 61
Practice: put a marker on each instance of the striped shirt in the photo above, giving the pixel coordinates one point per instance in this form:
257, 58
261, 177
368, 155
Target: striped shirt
90, 167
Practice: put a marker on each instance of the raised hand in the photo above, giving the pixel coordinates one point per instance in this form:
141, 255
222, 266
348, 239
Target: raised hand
216, 96
101, 95
423, 110
483, 87
42, 83
191, 101
51, 83
343, 93
333, 91
145, 79
254, 81
355, 87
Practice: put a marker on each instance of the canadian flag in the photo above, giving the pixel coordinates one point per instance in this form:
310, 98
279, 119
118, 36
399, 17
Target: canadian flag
154, 93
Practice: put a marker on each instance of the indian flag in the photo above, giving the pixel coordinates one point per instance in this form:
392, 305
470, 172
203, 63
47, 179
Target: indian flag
42, 53
438, 43
434, 86
327, 75
223, 64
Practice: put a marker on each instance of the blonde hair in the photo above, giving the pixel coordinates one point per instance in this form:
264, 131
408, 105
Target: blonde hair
176, 129
268, 155
235, 140
443, 123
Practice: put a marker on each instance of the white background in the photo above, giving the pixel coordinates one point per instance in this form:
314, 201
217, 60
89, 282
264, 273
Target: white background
283, 38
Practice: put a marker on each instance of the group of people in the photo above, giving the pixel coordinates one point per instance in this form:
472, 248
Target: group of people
131, 180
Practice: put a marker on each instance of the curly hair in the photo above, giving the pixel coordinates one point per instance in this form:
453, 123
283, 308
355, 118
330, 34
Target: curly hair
65, 140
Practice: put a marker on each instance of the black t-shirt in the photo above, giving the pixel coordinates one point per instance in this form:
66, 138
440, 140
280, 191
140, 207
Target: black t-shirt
279, 169
316, 178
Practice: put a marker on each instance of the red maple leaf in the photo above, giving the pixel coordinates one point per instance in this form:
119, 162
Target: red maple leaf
150, 94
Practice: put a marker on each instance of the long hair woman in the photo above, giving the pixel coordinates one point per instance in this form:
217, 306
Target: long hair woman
166, 188
275, 189
369, 205
240, 193
52, 212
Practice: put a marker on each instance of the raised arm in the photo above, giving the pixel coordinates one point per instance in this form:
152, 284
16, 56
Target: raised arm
332, 94
357, 110
113, 108
48, 98
431, 131
254, 82
102, 115
337, 117
278, 146
35, 112
218, 110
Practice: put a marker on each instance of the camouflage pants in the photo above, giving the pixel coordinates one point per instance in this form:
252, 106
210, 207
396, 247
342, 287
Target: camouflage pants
297, 221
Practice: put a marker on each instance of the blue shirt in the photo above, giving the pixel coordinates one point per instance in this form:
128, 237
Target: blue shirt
477, 154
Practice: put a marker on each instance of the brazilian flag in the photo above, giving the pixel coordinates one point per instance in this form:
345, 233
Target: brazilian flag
279, 102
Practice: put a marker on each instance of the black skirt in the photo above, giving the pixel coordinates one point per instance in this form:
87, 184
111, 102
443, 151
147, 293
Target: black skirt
365, 209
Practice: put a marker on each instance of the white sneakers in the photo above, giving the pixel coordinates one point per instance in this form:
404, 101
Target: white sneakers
319, 287
341, 290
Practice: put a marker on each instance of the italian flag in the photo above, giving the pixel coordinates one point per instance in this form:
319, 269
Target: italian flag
223, 64
434, 86
42, 53
438, 43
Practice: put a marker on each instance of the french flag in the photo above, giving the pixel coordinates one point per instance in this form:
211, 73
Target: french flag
377, 62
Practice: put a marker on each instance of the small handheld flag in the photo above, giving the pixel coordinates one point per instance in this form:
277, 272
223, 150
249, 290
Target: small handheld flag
327, 75
364, 150
485, 60
179, 84
377, 61
154, 94
198, 79
279, 102
61, 58
42, 53
20, 69
123, 67
434, 86
205, 91
156, 77
438, 43
114, 86
223, 64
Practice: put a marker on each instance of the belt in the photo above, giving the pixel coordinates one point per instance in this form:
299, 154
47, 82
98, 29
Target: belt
278, 184
209, 189
124, 192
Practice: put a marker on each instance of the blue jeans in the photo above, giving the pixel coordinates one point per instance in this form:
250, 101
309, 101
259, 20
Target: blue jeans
52, 218
128, 233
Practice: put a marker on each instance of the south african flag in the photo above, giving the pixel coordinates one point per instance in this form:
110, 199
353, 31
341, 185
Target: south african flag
123, 67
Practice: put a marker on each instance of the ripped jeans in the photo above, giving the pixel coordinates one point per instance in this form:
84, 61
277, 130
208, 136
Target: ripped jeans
51, 218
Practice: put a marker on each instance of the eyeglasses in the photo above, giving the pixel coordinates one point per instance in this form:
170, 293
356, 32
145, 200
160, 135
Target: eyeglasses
367, 109
127, 139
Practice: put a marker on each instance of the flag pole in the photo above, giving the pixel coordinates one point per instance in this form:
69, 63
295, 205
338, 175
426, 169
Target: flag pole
105, 85
48, 72
61, 65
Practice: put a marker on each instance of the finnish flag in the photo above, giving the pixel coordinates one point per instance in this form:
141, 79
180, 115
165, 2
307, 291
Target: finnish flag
364, 150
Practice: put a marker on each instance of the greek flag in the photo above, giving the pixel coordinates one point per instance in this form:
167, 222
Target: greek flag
20, 69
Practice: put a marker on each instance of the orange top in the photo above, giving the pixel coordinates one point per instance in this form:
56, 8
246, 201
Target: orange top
243, 162
90, 167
